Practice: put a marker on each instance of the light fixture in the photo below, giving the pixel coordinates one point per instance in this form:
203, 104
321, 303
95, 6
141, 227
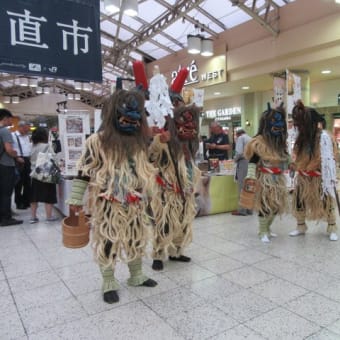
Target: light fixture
245, 87
194, 44
39, 90
15, 100
46, 90
33, 82
217, 93
86, 87
130, 7
77, 85
326, 71
112, 6
23, 81
7, 99
77, 96
247, 122
337, 1
207, 48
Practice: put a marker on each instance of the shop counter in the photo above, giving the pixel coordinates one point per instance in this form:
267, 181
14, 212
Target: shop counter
216, 193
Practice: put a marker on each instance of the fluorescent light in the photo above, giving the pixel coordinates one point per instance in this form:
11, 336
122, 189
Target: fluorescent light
245, 87
326, 71
217, 93
337, 1
77, 85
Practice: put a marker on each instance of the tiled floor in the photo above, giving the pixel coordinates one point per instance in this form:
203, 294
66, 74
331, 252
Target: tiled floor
234, 288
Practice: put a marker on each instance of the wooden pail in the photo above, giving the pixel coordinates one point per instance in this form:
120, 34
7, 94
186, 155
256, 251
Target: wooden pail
247, 196
76, 230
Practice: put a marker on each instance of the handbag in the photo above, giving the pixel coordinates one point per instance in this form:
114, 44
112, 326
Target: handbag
46, 170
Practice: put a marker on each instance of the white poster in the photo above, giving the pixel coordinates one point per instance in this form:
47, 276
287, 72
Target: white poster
198, 97
293, 90
279, 85
73, 127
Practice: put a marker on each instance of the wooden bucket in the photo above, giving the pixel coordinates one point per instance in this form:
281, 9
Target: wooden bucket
247, 196
76, 230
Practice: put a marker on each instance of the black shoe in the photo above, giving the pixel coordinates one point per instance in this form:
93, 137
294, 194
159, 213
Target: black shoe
111, 296
10, 221
149, 283
180, 258
157, 265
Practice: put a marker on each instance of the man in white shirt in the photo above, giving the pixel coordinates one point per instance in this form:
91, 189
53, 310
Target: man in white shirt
22, 145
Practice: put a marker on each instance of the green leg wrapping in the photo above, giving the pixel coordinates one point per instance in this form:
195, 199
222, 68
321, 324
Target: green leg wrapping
109, 281
136, 274
270, 222
263, 225
301, 221
331, 220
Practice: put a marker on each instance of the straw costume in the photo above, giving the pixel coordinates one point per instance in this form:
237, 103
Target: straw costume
268, 158
172, 152
116, 165
315, 184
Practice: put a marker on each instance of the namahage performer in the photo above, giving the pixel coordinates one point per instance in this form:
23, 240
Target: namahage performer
315, 186
268, 158
115, 164
172, 153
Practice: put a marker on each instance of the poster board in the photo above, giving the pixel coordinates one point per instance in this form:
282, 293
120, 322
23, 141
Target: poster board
74, 127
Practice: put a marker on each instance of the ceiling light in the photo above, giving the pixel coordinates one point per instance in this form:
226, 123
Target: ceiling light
217, 93
23, 81
337, 1
326, 71
33, 82
39, 90
46, 90
207, 48
245, 87
15, 100
194, 44
7, 100
112, 6
86, 87
130, 7
77, 96
77, 85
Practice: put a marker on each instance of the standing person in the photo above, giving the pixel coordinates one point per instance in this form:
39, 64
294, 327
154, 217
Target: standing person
40, 191
23, 146
241, 166
315, 192
115, 164
218, 144
173, 154
268, 158
7, 169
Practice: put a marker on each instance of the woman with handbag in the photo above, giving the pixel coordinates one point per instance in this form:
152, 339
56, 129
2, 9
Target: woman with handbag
41, 191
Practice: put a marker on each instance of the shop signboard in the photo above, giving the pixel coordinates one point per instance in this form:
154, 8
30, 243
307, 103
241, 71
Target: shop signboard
52, 38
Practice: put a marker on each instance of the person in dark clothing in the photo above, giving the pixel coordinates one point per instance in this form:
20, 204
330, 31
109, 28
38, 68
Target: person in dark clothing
218, 144
7, 170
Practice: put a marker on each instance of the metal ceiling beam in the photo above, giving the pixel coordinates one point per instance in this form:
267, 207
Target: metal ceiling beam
179, 10
266, 15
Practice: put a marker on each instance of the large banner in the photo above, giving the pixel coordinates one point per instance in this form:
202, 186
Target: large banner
53, 38
293, 89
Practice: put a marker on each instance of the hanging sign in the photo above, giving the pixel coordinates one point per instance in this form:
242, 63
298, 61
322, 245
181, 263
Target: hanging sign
53, 38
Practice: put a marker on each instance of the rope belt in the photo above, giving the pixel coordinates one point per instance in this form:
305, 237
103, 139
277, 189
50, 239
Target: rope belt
274, 171
166, 185
128, 199
313, 173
